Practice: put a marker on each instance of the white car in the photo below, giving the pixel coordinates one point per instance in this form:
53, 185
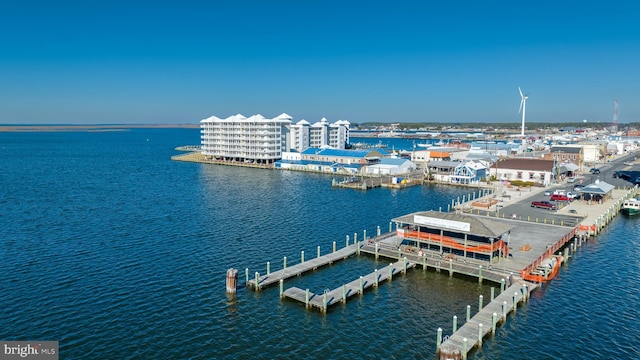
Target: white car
628, 163
570, 180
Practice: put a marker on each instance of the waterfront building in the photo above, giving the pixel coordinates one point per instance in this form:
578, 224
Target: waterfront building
454, 235
322, 134
331, 160
259, 140
255, 139
525, 169
391, 166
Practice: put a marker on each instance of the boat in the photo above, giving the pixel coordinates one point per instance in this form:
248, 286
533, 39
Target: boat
546, 270
631, 206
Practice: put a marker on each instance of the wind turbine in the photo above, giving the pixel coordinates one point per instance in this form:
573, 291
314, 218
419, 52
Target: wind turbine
523, 109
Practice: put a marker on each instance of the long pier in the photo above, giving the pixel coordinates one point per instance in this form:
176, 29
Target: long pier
475, 329
262, 281
344, 292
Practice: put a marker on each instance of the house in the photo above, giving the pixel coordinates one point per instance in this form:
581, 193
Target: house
469, 172
525, 169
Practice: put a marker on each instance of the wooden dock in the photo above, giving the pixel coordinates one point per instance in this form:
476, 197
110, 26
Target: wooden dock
483, 323
263, 281
427, 260
344, 292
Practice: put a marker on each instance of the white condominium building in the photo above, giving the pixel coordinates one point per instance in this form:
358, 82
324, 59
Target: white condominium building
259, 140
237, 138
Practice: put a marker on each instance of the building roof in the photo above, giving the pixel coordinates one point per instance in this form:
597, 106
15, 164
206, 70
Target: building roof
451, 164
566, 149
392, 161
481, 226
525, 164
598, 187
342, 153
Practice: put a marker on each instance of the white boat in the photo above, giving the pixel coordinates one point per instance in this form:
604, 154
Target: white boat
631, 206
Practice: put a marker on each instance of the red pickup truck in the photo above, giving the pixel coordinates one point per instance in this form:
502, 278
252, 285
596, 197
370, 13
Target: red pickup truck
560, 197
544, 205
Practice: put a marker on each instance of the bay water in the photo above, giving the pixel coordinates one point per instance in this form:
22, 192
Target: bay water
117, 252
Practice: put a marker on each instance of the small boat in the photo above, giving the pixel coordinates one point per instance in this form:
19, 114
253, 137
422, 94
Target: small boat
546, 271
631, 207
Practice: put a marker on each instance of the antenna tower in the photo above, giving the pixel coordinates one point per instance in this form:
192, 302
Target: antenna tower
615, 117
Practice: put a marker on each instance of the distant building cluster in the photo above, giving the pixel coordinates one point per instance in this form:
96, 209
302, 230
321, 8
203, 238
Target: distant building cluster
257, 139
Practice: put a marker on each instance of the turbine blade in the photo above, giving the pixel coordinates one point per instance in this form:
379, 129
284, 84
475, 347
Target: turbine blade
520, 91
521, 102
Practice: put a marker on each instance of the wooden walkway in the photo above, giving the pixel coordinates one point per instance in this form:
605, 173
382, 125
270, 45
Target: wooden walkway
495, 275
297, 269
502, 305
343, 293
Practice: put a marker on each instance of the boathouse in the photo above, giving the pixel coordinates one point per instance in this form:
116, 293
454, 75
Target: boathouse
454, 235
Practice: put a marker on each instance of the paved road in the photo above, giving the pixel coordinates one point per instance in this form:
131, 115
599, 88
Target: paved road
520, 204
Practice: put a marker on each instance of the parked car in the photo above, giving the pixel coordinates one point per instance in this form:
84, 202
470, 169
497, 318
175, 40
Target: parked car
594, 171
571, 180
628, 163
578, 187
544, 205
559, 197
547, 192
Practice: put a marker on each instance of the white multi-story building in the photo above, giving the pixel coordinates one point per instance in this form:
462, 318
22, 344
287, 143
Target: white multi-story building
237, 138
259, 140
323, 134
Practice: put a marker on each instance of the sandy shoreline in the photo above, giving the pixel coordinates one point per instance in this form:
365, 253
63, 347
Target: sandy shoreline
121, 127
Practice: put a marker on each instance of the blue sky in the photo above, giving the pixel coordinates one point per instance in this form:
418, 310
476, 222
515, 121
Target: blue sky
179, 62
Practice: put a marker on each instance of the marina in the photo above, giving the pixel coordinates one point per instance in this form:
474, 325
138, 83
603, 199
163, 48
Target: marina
529, 255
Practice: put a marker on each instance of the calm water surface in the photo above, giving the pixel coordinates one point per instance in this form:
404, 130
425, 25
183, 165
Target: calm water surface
109, 247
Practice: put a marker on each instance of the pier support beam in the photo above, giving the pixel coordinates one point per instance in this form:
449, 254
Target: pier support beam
232, 281
257, 283
480, 301
301, 256
284, 261
390, 271
493, 295
375, 275
268, 267
480, 335
479, 274
494, 321
376, 251
281, 287
455, 324
334, 246
439, 340
468, 312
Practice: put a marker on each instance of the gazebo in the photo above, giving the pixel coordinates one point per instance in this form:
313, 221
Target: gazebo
597, 191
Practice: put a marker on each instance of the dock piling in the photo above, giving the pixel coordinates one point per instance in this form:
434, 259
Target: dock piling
347, 241
504, 310
480, 300
390, 271
480, 274
468, 312
515, 302
246, 275
334, 246
257, 279
375, 272
439, 339
232, 281
493, 290
494, 320
268, 267
284, 260
281, 287
361, 286
502, 285
301, 256
480, 335
455, 324
465, 345
318, 251
306, 298
344, 293
404, 265
376, 251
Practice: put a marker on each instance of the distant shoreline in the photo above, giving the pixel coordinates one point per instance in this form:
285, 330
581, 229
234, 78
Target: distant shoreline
92, 128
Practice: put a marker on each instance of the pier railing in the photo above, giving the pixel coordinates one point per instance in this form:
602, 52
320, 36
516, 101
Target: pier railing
550, 251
